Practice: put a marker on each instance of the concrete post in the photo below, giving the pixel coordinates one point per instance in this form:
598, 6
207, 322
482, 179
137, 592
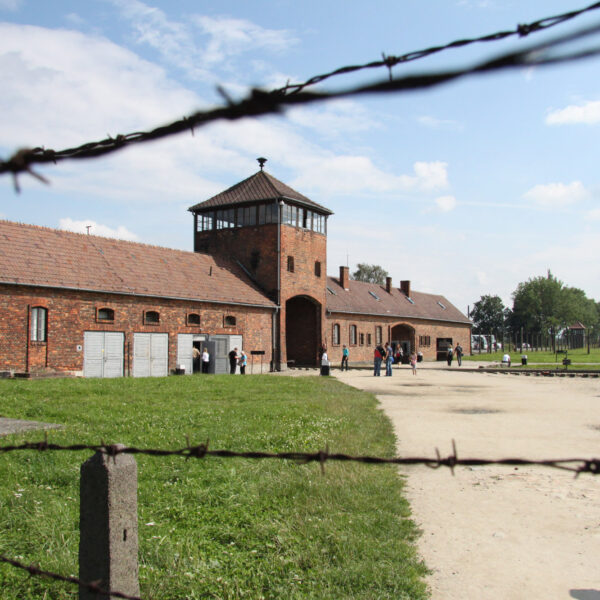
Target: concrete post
108, 544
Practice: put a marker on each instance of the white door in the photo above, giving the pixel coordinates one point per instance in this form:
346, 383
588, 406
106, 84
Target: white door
102, 354
150, 354
185, 345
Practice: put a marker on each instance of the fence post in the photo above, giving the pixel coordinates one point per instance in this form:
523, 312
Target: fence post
108, 530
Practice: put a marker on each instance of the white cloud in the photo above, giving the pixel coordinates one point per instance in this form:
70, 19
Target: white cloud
358, 175
594, 214
201, 43
49, 99
587, 113
445, 203
555, 195
120, 232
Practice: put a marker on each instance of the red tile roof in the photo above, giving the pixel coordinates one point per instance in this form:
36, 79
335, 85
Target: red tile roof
373, 299
260, 186
39, 256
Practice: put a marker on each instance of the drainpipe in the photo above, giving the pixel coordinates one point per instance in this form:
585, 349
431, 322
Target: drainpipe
277, 315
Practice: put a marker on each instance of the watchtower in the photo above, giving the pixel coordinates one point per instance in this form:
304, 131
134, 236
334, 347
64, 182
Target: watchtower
279, 237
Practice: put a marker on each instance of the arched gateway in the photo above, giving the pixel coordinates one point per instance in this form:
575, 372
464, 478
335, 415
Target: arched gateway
303, 330
404, 336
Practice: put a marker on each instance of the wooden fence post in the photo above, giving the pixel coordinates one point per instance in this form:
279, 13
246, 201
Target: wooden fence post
108, 530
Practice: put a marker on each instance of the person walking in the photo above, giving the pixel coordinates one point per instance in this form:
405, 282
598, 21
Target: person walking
449, 356
413, 363
243, 361
233, 358
389, 359
458, 351
345, 355
378, 357
205, 360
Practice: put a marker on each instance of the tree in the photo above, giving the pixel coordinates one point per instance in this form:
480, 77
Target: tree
488, 315
370, 273
546, 305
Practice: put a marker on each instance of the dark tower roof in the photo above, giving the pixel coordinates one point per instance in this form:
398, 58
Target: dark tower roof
260, 186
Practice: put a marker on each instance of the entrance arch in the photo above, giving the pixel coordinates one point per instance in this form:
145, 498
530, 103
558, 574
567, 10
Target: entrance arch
404, 335
302, 330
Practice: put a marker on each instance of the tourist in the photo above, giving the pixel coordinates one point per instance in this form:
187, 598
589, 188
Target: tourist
345, 354
233, 358
378, 357
242, 362
459, 352
449, 355
205, 360
389, 359
413, 363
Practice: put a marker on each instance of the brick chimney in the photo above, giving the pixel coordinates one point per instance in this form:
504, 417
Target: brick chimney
388, 285
345, 277
405, 287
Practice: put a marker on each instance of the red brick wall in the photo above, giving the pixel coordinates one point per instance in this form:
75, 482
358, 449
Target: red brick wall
366, 324
70, 313
306, 247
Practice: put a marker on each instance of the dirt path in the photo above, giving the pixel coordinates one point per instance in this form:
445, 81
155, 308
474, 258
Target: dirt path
499, 532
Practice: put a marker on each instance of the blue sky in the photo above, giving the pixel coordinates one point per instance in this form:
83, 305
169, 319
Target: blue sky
466, 189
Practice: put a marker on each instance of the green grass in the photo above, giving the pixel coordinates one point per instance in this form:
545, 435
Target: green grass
216, 528
579, 356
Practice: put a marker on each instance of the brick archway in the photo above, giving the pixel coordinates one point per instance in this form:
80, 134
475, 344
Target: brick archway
404, 335
302, 330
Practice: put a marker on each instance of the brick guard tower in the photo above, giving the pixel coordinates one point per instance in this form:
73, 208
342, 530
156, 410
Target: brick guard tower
279, 237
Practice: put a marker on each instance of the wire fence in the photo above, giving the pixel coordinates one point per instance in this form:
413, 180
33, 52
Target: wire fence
202, 451
259, 102
574, 465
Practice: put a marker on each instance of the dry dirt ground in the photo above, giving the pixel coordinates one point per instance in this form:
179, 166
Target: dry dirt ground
495, 531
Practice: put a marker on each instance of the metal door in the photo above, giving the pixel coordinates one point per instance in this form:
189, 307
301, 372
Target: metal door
185, 358
150, 354
103, 354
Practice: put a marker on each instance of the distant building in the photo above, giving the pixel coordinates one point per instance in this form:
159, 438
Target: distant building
256, 280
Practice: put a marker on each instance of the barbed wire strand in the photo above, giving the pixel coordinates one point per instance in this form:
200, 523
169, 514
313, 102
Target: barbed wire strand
574, 465
389, 61
34, 570
260, 102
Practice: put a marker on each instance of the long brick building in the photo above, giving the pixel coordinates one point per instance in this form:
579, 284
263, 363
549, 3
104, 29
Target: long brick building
256, 280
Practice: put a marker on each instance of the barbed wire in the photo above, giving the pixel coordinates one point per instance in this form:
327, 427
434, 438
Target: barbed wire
574, 465
34, 570
389, 61
260, 102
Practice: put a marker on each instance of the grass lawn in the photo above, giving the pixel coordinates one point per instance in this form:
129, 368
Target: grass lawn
578, 357
215, 528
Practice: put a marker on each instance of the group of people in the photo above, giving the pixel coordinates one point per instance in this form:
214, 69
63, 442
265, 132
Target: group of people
451, 353
388, 356
235, 359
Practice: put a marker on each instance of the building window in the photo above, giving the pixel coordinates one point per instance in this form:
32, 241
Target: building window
336, 335
152, 317
39, 324
205, 222
230, 321
317, 268
193, 319
353, 335
290, 264
362, 339
425, 340
105, 314
378, 335
368, 339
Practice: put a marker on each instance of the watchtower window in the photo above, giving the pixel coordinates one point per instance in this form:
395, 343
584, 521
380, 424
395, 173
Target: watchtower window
290, 264
317, 269
205, 222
